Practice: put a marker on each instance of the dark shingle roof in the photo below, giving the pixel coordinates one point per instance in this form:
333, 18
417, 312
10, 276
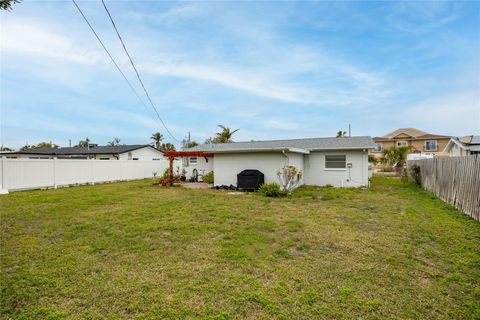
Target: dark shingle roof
364, 142
84, 150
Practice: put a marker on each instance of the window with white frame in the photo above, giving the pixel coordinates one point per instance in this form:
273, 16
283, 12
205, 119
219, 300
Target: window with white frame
378, 147
335, 161
401, 143
192, 161
431, 145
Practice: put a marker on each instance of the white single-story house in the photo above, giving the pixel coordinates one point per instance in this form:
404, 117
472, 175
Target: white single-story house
463, 146
124, 152
341, 162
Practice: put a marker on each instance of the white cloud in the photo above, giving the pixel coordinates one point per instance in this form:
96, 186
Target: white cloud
230, 78
454, 113
36, 40
422, 16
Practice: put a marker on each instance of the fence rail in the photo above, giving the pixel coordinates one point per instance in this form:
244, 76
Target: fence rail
455, 180
20, 174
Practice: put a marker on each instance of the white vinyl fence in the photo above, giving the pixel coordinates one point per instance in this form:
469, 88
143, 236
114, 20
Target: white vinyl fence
20, 174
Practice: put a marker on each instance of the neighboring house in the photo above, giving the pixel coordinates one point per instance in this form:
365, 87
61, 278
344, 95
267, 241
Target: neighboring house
463, 146
420, 141
324, 161
125, 152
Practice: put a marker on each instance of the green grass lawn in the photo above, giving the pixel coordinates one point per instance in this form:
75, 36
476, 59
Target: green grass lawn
133, 251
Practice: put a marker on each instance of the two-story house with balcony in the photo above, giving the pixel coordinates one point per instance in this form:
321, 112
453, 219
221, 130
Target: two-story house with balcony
420, 141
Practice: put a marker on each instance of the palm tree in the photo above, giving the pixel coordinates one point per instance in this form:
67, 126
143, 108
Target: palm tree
157, 137
114, 142
224, 136
396, 157
167, 147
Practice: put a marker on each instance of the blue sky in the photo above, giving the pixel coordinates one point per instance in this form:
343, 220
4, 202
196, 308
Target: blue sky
272, 69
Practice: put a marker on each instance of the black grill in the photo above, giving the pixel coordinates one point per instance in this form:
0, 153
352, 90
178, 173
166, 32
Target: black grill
250, 179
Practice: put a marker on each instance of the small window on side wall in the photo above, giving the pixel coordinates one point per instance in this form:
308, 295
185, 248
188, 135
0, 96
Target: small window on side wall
378, 147
335, 161
193, 160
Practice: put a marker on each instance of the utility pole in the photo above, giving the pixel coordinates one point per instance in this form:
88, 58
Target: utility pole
349, 130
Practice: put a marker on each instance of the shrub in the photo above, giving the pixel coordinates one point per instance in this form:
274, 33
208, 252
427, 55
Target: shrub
271, 190
166, 174
414, 172
289, 177
208, 178
372, 159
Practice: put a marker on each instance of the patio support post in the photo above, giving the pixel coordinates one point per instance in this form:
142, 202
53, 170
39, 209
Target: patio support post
171, 169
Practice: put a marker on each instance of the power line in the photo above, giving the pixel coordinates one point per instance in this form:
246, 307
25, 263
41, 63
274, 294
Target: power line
111, 58
136, 71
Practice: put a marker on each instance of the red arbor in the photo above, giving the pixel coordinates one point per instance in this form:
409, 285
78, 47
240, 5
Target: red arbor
173, 154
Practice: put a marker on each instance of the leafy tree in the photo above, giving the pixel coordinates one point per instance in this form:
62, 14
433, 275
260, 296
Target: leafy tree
167, 147
157, 138
83, 143
2, 148
41, 145
7, 4
372, 159
190, 144
26, 147
45, 145
341, 134
114, 142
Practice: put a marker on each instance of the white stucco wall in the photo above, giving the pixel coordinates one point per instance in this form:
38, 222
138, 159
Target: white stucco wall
317, 174
203, 166
227, 166
145, 153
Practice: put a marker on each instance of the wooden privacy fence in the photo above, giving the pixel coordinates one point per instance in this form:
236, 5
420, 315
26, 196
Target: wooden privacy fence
455, 180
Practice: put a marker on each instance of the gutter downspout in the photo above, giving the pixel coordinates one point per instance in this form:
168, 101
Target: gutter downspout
287, 160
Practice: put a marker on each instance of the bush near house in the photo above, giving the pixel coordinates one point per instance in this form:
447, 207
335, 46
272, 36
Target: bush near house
208, 178
271, 190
